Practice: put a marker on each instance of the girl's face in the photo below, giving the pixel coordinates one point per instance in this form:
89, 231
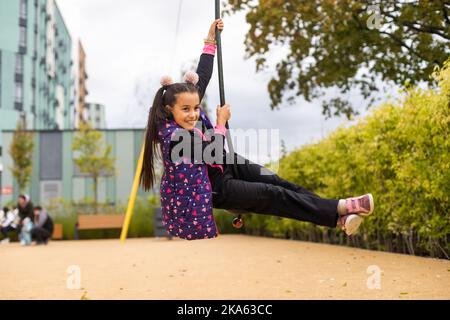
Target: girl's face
186, 111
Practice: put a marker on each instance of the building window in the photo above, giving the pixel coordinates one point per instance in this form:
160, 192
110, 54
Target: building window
0, 78
19, 93
23, 9
19, 64
34, 70
23, 36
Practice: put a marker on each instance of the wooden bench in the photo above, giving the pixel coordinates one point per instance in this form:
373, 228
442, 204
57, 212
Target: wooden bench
94, 222
57, 232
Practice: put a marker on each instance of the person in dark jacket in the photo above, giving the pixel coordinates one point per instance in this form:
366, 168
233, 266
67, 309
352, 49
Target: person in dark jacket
43, 226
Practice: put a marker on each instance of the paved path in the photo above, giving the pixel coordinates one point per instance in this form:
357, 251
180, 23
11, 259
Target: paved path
230, 267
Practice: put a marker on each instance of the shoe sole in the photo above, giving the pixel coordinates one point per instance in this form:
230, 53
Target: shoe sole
372, 207
352, 224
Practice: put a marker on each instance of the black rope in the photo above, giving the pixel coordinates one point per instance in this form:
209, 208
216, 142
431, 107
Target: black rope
238, 222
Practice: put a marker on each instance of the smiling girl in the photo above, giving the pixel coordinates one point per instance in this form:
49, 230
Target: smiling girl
191, 186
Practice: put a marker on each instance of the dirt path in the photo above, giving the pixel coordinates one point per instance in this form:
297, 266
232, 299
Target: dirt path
230, 267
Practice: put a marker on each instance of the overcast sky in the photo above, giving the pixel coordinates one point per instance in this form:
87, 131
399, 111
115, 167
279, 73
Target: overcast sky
132, 43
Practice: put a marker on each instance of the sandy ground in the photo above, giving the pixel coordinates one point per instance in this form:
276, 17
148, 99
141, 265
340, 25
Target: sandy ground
230, 267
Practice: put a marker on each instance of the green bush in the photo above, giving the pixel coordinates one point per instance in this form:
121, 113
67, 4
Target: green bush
401, 154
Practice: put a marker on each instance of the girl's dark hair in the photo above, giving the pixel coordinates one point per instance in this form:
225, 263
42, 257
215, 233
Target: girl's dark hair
166, 96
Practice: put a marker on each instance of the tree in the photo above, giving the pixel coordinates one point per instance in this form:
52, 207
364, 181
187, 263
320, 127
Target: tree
345, 44
21, 151
94, 158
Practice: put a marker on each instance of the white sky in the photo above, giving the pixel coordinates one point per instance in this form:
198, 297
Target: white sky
131, 43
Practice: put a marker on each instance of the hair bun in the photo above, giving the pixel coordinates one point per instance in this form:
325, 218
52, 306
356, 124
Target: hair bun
191, 77
166, 81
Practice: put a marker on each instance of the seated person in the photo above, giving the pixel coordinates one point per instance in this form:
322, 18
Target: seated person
9, 220
43, 226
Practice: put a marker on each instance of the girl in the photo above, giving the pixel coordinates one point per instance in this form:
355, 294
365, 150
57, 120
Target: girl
191, 187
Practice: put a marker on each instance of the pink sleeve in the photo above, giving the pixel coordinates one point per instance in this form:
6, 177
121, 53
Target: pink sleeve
220, 130
210, 49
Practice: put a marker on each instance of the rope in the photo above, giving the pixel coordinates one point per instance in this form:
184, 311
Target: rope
177, 30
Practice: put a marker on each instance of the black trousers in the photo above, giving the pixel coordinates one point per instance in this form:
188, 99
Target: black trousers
41, 235
269, 194
6, 230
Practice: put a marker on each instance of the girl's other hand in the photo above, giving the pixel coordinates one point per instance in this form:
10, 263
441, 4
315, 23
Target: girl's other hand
212, 29
223, 114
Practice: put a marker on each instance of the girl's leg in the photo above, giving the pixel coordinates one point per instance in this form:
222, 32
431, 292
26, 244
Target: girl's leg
269, 199
254, 172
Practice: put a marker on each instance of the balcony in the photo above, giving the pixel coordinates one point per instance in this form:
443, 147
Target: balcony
18, 78
22, 49
23, 21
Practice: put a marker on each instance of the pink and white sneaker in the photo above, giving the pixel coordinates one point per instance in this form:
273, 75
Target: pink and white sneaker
362, 205
350, 223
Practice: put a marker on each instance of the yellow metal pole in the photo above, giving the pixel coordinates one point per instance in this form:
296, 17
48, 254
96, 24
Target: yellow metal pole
131, 201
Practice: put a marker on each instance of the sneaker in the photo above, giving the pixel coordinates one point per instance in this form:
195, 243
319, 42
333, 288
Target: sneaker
362, 205
5, 241
350, 223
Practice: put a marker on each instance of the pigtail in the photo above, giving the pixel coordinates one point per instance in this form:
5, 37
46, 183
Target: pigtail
156, 115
